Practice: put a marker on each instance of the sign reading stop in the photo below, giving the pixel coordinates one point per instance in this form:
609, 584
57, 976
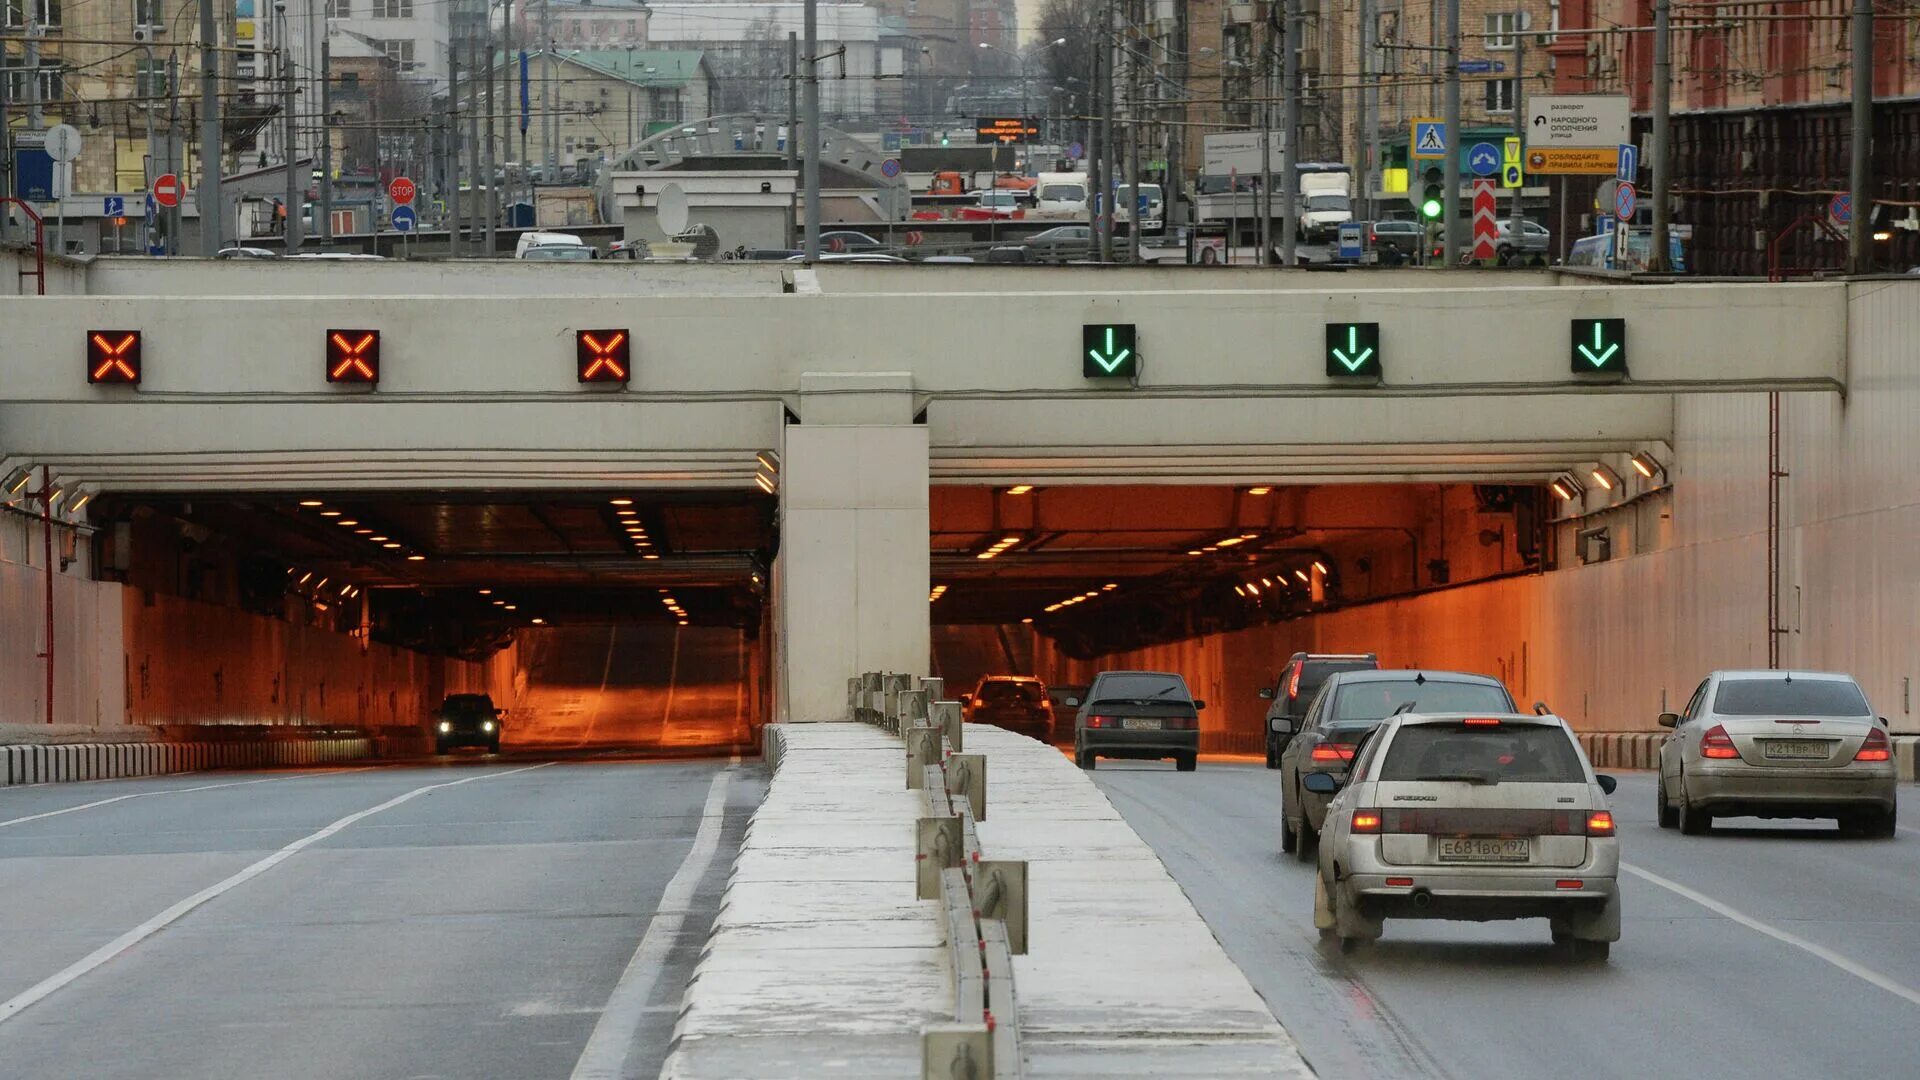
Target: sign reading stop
401, 191
166, 190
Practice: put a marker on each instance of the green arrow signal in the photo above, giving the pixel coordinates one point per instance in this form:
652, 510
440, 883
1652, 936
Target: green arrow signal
1353, 346
1111, 361
1597, 356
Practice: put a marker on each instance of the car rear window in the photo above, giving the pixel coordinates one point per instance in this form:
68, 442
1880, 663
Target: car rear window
1790, 697
1376, 700
1010, 692
1503, 754
1314, 672
1129, 687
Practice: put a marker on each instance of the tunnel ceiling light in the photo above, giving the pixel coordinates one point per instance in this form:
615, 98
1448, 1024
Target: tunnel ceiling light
538, 621
620, 502
769, 460
416, 557
1051, 608
499, 603
1253, 589
310, 503
1302, 575
306, 577
321, 584
486, 592
363, 532
378, 539
347, 523
512, 607
764, 481
1646, 464
17, 481
1020, 489
1259, 491
1602, 476
79, 502
1110, 586
938, 592
391, 546
330, 513
53, 497
1195, 551
683, 622
1567, 488
1322, 567
346, 590
650, 556
1241, 589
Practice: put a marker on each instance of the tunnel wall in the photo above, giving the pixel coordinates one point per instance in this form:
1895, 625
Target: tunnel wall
89, 687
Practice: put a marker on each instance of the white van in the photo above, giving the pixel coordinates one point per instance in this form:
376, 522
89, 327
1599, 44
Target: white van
544, 239
1060, 195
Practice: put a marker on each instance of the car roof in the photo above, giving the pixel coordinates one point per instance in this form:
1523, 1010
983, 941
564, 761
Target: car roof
1536, 719
1407, 674
1009, 678
1761, 673
1166, 674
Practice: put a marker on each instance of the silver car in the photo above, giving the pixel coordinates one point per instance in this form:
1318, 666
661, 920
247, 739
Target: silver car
1778, 744
1476, 816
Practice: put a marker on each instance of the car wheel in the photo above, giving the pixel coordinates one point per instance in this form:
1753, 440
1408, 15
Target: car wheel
1322, 907
439, 746
1591, 951
493, 747
1692, 822
1349, 924
1305, 840
1289, 836
1273, 759
1884, 825
1187, 762
1083, 758
1666, 814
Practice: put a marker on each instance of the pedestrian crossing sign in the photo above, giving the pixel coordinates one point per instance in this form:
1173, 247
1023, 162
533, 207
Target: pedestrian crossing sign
1429, 138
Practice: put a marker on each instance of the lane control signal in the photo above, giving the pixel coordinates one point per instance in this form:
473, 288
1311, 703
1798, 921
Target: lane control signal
1599, 347
353, 356
603, 356
1353, 350
113, 356
1108, 351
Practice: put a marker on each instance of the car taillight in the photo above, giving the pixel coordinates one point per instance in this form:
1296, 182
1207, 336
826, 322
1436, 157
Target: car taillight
1293, 684
1481, 721
1337, 751
1600, 823
1716, 743
1102, 721
1876, 748
1183, 723
1366, 821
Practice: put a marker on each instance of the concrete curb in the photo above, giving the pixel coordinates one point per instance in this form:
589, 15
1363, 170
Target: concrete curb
65, 762
1641, 750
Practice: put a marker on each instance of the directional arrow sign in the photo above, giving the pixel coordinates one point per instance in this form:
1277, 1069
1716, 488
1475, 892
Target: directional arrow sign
1599, 347
1353, 350
1107, 351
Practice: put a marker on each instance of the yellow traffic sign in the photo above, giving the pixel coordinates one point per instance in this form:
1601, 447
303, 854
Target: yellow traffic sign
1511, 175
1573, 160
1511, 151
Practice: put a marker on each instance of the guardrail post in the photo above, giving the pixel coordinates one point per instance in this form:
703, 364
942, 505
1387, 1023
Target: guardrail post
947, 717
891, 688
967, 775
913, 708
1002, 888
935, 688
936, 847
923, 749
955, 1052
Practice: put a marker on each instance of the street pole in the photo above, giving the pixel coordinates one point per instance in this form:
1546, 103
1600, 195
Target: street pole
1519, 118
1860, 165
1136, 119
289, 149
1266, 143
1096, 146
323, 221
473, 129
549, 138
1177, 136
213, 210
451, 147
1450, 193
35, 121
1364, 134
810, 125
176, 153
1109, 155
793, 101
1662, 103
490, 177
1290, 142
6, 156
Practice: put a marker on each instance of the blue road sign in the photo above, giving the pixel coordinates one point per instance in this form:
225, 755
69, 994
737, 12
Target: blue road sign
1629, 168
1476, 67
890, 168
114, 206
1603, 224
1484, 159
1429, 138
1140, 204
1840, 209
1076, 151
405, 218
1351, 240
1624, 201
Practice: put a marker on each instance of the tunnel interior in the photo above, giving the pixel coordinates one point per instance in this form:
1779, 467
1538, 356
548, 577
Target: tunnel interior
631, 618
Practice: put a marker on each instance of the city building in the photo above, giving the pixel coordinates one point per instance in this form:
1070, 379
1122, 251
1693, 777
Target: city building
583, 24
747, 46
604, 100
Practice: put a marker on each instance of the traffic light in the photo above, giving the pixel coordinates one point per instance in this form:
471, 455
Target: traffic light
113, 356
603, 356
1353, 350
1107, 351
353, 356
1432, 192
1599, 347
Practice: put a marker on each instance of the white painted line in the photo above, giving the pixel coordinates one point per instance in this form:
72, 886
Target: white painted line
172, 791
605, 1056
1850, 967
17, 1004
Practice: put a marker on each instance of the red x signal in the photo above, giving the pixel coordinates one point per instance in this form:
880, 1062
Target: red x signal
353, 356
113, 356
604, 356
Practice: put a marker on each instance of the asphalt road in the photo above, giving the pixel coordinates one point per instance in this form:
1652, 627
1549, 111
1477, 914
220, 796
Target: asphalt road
1796, 954
465, 918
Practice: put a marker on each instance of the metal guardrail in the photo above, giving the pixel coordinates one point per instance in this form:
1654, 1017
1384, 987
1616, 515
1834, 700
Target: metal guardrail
983, 902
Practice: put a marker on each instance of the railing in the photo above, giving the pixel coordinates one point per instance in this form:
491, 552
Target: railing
983, 901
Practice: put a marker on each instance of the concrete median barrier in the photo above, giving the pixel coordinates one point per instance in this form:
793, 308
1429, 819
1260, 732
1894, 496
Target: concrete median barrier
67, 761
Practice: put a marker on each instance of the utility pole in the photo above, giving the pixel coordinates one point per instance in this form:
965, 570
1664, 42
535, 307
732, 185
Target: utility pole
323, 221
1365, 135
1662, 103
6, 150
213, 209
1136, 119
793, 101
489, 176
1096, 148
1450, 193
473, 127
35, 120
1177, 136
1266, 140
451, 144
176, 153
290, 150
549, 142
1519, 117
1290, 142
810, 125
1109, 153
1860, 163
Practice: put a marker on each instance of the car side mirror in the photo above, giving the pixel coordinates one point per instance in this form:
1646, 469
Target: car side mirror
1540, 709
1607, 783
1198, 705
1320, 783
1266, 693
499, 712
1668, 719
966, 699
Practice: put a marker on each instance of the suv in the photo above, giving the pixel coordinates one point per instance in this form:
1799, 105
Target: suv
467, 720
1015, 702
1138, 714
1396, 242
1531, 246
1294, 690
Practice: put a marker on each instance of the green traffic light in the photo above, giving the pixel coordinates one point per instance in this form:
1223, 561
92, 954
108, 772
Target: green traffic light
1431, 208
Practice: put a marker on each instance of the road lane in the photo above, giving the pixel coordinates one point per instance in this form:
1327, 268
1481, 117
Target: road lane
1688, 991
475, 930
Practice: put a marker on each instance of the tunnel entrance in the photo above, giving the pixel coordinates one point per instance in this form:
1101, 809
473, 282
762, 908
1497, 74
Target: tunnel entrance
598, 619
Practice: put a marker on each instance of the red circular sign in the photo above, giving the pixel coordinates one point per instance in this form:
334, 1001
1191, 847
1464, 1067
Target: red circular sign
400, 191
166, 190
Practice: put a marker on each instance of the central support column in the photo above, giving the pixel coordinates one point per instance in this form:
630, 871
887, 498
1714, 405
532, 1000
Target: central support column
852, 580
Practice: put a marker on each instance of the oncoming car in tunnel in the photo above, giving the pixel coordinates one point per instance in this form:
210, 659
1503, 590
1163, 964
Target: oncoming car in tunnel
1017, 703
1470, 816
467, 720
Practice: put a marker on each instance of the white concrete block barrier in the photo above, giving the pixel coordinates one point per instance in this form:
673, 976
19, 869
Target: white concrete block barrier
53, 763
1641, 750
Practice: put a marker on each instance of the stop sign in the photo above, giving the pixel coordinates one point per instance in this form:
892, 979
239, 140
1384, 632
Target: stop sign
166, 190
400, 191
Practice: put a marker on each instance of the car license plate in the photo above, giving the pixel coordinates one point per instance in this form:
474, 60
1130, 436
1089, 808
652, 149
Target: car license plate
1484, 849
1137, 724
1800, 749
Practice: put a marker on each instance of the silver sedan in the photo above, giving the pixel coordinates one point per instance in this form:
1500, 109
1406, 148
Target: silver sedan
1778, 744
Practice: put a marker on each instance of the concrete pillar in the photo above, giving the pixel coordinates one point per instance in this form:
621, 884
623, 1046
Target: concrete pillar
852, 591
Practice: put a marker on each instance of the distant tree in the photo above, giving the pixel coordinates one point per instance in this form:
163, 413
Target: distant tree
1069, 66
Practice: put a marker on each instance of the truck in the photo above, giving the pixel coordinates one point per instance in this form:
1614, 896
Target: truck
950, 191
1325, 200
1155, 218
1060, 196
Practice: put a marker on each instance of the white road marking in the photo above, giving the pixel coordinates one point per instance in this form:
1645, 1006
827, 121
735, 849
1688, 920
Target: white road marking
605, 1055
171, 791
17, 1004
1850, 967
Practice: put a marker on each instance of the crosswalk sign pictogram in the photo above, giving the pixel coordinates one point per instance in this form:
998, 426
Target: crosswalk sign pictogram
1429, 138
